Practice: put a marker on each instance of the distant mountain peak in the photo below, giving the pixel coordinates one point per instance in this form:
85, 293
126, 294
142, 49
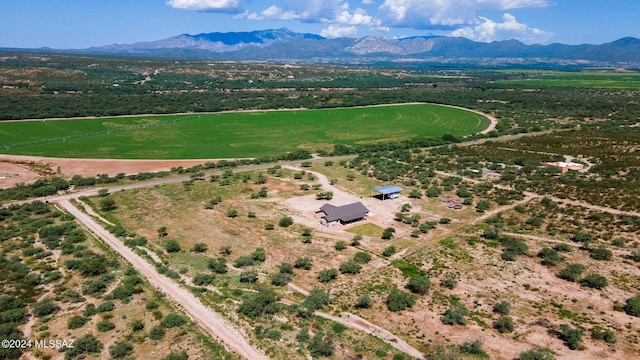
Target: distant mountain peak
285, 44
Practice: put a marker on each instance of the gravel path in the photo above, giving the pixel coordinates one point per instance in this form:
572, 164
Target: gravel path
213, 323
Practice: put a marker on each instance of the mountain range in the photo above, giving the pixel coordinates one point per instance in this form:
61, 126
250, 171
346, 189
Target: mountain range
286, 45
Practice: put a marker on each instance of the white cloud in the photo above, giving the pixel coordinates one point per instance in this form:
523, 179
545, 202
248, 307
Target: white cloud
510, 28
314, 11
334, 31
368, 2
229, 6
444, 14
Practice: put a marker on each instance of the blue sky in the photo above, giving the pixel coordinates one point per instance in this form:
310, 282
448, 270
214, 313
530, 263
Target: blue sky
85, 23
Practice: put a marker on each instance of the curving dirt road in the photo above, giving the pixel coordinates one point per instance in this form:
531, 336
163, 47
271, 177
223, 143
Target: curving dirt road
213, 323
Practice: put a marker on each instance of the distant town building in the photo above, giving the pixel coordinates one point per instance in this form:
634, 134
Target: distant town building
564, 166
344, 214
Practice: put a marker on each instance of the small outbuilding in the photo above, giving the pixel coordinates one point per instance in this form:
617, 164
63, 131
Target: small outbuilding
564, 166
344, 214
388, 192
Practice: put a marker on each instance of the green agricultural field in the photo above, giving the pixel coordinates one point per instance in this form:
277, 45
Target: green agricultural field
234, 134
577, 79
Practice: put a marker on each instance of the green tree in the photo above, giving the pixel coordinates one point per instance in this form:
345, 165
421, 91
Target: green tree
571, 336
419, 285
350, 267
120, 350
502, 308
363, 302
108, 204
199, 248
388, 233
594, 281
388, 251
455, 315
362, 257
572, 272
303, 263
285, 221
536, 354
632, 306
504, 324
398, 300
172, 246
327, 275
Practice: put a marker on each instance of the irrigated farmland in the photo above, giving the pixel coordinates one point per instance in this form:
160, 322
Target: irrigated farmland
234, 134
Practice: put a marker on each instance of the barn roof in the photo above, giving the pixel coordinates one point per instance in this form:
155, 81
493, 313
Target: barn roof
389, 189
344, 213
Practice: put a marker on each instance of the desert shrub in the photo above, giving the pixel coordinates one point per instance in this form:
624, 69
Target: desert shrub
321, 345
199, 248
419, 285
280, 279
182, 355
491, 233
264, 301
316, 299
550, 257
608, 335
76, 322
105, 325
570, 336
243, 261
269, 226
327, 275
259, 255
286, 268
502, 308
137, 325
285, 221
90, 310
450, 280
303, 263
355, 241
303, 335
363, 302
632, 306
388, 233
537, 354
120, 350
173, 320
562, 247
455, 315
106, 306
504, 324
249, 276
388, 251
472, 348
398, 300
172, 246
156, 333
350, 267
594, 281
218, 265
86, 344
94, 287
572, 272
44, 308
362, 257
601, 253
203, 279
340, 245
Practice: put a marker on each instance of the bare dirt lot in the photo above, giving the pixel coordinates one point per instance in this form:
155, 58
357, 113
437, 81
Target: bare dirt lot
25, 169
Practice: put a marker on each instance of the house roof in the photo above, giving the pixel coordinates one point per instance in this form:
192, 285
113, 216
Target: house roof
344, 213
389, 189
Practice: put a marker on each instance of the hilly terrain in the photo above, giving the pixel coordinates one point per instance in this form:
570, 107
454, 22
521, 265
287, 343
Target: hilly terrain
286, 45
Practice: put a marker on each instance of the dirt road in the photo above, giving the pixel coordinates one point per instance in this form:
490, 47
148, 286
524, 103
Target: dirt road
213, 323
